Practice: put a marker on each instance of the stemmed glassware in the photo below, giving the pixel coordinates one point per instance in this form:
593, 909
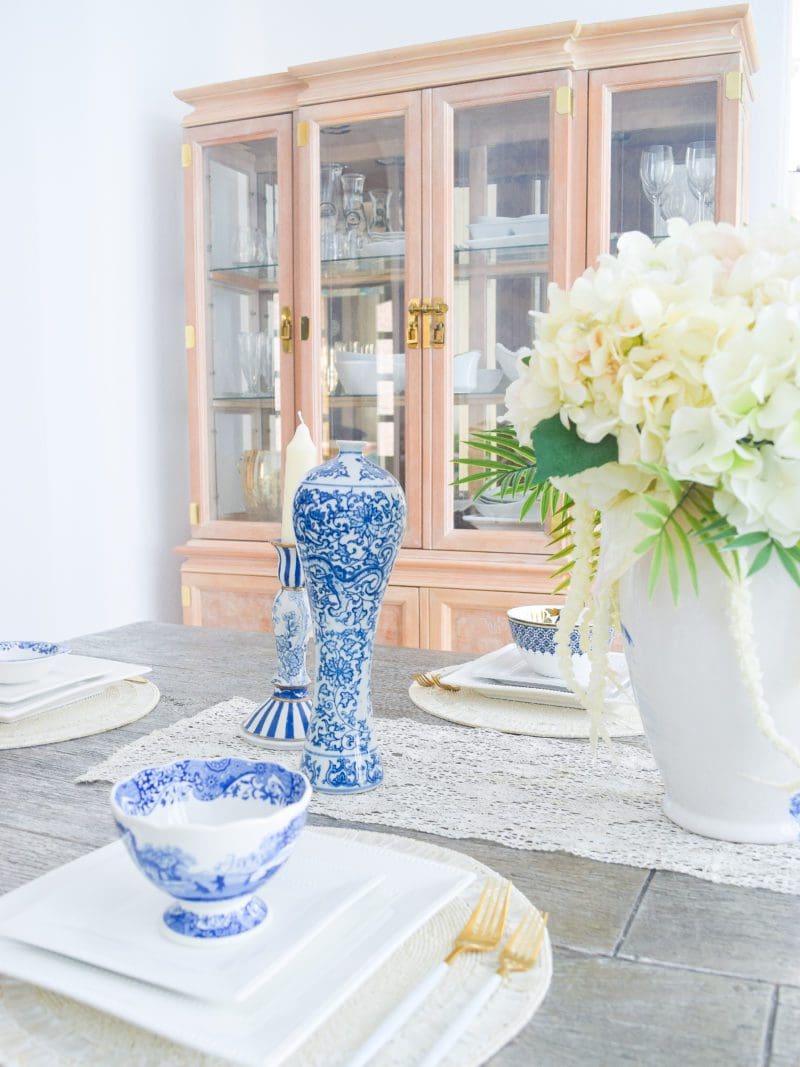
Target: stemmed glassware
355, 219
656, 168
255, 362
701, 172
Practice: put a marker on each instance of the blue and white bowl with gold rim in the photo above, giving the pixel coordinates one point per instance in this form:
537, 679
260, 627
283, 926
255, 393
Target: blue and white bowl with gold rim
533, 629
210, 833
27, 661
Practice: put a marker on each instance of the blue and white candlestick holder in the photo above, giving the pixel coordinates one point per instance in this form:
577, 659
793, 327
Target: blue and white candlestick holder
349, 515
284, 718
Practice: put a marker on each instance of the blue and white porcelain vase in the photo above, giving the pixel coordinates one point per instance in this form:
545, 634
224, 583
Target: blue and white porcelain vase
349, 519
283, 718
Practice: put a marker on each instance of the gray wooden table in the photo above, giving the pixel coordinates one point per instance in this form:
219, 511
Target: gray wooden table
651, 967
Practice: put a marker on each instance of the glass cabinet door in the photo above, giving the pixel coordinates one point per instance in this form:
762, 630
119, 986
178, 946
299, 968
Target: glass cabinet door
664, 142
362, 240
498, 220
244, 282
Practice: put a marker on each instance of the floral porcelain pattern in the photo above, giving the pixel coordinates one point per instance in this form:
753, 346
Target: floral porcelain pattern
211, 859
207, 780
349, 516
224, 924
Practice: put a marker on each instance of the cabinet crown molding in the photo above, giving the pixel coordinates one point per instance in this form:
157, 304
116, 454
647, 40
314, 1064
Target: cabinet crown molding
557, 46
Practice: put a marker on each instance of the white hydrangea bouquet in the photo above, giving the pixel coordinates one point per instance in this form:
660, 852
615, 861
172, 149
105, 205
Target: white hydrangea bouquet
659, 415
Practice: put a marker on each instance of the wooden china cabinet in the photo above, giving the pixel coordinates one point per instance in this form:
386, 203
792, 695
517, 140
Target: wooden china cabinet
366, 238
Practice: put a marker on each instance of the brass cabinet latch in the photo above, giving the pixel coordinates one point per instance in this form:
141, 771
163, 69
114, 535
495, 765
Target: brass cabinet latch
438, 311
415, 309
435, 310
286, 329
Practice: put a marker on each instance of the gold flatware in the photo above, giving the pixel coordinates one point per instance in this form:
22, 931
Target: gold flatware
431, 679
138, 681
520, 953
482, 932
524, 947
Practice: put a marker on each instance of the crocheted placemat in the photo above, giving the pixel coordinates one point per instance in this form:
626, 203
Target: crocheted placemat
43, 1029
116, 705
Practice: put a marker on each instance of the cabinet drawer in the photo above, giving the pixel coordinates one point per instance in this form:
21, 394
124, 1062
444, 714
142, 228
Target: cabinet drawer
229, 601
244, 602
473, 620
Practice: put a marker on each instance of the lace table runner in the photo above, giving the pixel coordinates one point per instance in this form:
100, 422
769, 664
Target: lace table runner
523, 792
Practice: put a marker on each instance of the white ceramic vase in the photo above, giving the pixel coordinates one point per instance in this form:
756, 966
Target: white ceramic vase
723, 778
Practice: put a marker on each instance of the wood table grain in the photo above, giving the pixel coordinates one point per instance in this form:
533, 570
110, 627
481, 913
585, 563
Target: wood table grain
651, 967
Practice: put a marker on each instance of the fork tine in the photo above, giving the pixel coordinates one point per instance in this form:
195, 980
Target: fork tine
525, 944
495, 919
474, 921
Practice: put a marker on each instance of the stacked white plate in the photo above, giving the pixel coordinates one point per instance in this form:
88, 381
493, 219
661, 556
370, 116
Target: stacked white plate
71, 678
338, 909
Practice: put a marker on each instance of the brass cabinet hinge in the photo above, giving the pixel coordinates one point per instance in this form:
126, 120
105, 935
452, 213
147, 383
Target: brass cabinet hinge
565, 100
186, 155
189, 336
302, 134
186, 596
194, 513
734, 85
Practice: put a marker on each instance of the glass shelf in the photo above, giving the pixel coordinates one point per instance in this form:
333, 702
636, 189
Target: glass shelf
263, 276
245, 400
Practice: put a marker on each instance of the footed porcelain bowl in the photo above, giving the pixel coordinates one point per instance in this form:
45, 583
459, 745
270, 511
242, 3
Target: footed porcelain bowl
533, 629
210, 833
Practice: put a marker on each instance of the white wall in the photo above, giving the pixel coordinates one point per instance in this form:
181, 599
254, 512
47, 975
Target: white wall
93, 467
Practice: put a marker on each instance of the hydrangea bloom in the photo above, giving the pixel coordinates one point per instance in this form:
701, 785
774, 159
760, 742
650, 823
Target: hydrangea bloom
688, 352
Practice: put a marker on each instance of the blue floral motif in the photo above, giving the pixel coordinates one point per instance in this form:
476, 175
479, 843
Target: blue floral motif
348, 536
176, 872
42, 649
207, 780
794, 807
225, 924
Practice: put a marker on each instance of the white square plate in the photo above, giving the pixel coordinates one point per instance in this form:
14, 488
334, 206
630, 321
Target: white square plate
264, 1029
505, 674
59, 687
101, 910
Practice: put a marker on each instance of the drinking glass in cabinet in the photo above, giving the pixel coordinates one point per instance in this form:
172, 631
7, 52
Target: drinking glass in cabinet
656, 169
652, 131
701, 173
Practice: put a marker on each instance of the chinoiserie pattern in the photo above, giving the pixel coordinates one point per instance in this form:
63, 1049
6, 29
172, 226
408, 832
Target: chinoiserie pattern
284, 716
214, 886
534, 637
349, 518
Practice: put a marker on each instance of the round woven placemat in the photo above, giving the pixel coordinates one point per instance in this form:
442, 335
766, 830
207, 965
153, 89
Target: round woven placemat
116, 705
43, 1029
471, 708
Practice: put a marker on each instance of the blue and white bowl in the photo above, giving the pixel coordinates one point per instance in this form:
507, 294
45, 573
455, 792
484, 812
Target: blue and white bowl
210, 833
27, 661
533, 629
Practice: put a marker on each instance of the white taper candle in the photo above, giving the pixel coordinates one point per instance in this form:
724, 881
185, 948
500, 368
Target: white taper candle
300, 457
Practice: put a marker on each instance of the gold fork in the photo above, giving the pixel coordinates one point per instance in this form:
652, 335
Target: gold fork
482, 933
519, 954
433, 679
